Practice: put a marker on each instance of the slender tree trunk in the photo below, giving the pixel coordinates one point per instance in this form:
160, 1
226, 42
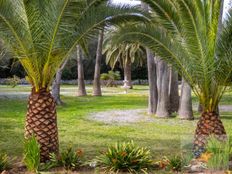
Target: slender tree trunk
221, 17
41, 121
127, 73
209, 124
163, 88
173, 91
97, 73
80, 70
185, 111
152, 78
56, 84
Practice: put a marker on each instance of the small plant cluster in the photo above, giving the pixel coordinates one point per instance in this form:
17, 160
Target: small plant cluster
175, 163
110, 78
125, 157
32, 154
14, 81
4, 162
69, 159
218, 154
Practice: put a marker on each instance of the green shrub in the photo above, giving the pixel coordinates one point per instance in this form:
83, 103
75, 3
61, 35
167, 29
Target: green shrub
220, 153
4, 162
175, 163
110, 78
14, 81
32, 154
125, 157
69, 159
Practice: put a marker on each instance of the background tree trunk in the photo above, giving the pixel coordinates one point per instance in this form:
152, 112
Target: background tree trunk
127, 73
41, 121
56, 84
185, 111
80, 70
173, 91
97, 73
163, 88
152, 78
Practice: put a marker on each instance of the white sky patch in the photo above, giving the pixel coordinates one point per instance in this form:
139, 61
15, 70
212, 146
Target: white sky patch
227, 4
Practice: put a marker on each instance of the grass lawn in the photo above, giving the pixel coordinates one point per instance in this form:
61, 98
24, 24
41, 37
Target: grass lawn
163, 136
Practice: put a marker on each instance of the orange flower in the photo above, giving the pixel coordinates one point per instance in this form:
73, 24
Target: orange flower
205, 157
123, 154
79, 152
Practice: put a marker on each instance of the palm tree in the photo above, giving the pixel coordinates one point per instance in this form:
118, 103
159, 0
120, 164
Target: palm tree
185, 34
173, 90
56, 84
41, 34
80, 71
125, 54
97, 70
185, 110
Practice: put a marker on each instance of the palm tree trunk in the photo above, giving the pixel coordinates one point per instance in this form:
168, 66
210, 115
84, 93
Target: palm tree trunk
173, 91
127, 73
97, 73
209, 124
152, 78
56, 84
41, 121
80, 70
185, 110
163, 88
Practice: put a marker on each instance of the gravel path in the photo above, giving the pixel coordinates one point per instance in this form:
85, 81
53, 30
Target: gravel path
136, 116
121, 116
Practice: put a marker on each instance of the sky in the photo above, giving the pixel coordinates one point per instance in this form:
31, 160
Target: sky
136, 2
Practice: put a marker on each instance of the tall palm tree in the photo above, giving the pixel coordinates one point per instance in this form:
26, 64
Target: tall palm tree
185, 34
97, 70
41, 34
56, 84
125, 54
80, 71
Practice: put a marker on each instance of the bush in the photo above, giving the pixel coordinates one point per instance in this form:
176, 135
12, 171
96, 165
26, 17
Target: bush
174, 163
220, 153
4, 162
32, 154
14, 81
125, 157
110, 78
69, 159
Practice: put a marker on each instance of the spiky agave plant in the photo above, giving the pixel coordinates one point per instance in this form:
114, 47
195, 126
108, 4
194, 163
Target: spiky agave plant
41, 34
185, 34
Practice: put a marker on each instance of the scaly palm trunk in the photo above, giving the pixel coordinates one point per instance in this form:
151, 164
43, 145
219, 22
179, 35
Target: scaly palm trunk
163, 88
127, 73
41, 121
173, 91
80, 70
209, 124
152, 78
185, 111
97, 73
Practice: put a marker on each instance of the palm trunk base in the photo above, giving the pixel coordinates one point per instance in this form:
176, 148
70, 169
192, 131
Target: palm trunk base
41, 122
209, 124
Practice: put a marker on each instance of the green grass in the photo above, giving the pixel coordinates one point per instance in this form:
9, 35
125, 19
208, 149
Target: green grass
163, 137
